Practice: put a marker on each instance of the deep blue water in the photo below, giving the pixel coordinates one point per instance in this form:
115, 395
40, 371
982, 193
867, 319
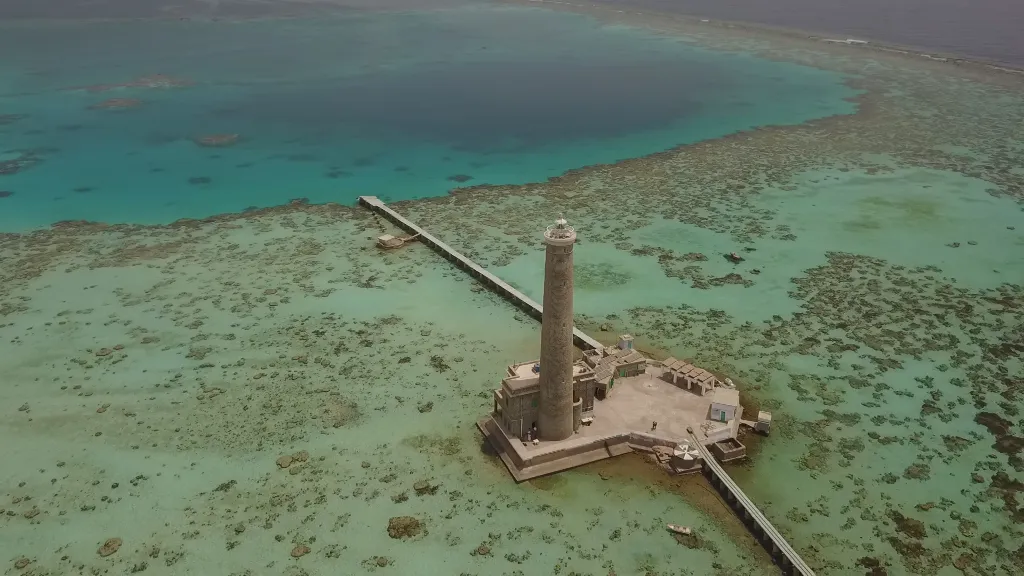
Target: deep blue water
395, 105
985, 29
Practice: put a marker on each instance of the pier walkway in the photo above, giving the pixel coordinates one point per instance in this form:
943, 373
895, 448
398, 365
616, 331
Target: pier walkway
521, 301
783, 554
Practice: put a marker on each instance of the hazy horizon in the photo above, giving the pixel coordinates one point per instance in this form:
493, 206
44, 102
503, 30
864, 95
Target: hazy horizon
82, 9
981, 29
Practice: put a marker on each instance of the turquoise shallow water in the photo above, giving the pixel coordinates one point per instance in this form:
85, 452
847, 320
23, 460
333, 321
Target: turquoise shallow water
396, 105
906, 217
376, 366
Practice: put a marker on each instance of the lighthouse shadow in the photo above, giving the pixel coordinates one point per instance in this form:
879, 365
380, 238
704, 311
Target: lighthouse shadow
486, 449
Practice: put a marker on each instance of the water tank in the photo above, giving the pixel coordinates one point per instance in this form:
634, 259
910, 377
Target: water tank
685, 458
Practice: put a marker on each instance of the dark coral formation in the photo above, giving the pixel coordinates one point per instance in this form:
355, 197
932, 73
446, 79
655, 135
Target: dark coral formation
217, 140
6, 119
26, 159
110, 546
401, 527
117, 104
155, 81
1000, 428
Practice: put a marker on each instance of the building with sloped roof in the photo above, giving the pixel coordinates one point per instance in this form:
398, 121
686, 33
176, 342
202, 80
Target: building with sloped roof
682, 373
610, 362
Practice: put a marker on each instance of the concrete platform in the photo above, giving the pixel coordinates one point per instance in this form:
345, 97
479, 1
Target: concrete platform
524, 464
622, 424
636, 402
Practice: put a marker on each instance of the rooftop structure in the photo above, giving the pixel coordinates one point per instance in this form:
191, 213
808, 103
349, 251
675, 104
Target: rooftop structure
686, 457
517, 402
640, 412
725, 402
614, 361
685, 373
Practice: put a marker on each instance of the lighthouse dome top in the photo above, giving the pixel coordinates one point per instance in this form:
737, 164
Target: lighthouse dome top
560, 233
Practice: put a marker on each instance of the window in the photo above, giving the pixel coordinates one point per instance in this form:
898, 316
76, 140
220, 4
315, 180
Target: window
534, 402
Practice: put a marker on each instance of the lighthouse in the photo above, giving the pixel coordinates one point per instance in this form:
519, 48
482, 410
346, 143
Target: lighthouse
555, 417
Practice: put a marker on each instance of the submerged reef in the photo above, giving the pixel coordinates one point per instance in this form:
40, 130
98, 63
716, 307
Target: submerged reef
117, 104
281, 388
6, 119
25, 159
217, 140
154, 81
274, 362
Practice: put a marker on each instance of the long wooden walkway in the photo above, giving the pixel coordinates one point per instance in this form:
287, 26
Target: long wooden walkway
783, 554
522, 301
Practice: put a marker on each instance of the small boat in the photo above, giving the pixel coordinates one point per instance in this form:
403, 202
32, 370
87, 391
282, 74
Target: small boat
684, 530
734, 258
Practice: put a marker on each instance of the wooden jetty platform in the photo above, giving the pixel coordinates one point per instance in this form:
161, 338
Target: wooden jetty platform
782, 553
521, 301
389, 242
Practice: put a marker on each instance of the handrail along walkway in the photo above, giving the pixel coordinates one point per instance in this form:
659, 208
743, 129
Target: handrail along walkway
791, 562
496, 284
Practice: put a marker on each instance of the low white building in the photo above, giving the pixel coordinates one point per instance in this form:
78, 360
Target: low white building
725, 405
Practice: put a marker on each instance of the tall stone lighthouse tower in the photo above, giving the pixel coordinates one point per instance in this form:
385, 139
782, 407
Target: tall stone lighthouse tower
555, 421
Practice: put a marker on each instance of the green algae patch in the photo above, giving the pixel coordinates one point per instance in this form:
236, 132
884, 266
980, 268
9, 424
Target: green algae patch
442, 445
596, 277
